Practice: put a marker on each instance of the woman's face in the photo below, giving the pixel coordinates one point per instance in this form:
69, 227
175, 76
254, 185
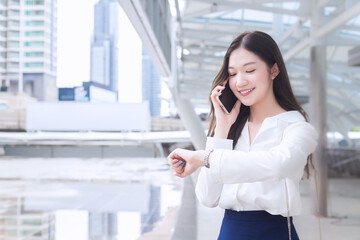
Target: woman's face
249, 76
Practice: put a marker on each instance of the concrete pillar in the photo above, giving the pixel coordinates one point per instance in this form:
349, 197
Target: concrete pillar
318, 118
186, 221
186, 109
20, 83
192, 123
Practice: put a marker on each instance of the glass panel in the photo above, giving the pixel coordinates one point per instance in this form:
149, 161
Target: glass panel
34, 44
34, 2
34, 33
34, 54
34, 65
34, 23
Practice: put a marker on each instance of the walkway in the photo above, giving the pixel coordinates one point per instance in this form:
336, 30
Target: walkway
343, 208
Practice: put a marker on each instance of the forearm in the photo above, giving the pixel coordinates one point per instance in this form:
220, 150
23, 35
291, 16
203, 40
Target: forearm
221, 132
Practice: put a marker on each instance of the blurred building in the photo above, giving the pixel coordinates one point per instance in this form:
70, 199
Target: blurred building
104, 50
28, 47
151, 84
102, 225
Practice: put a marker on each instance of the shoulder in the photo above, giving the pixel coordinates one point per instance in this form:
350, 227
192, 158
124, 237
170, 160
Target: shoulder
295, 122
291, 117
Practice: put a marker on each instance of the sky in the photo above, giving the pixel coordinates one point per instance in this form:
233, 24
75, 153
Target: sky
75, 27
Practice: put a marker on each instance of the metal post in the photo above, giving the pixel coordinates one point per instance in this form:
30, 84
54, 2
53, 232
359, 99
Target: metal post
318, 119
318, 113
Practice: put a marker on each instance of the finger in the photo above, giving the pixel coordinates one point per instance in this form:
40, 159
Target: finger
179, 174
217, 90
179, 167
180, 171
215, 99
177, 162
174, 154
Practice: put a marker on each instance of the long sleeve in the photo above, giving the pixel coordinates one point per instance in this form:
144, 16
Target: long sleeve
208, 189
286, 160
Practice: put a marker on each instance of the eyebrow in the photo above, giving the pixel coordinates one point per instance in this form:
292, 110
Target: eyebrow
249, 63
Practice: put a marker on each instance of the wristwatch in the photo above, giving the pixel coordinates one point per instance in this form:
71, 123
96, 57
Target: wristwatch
206, 157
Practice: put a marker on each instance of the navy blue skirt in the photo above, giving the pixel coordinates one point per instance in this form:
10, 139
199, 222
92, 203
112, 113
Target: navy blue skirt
255, 225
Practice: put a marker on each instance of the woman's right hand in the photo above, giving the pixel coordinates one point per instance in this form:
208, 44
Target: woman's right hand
223, 120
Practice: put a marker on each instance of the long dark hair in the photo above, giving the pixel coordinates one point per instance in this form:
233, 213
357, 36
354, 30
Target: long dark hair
262, 45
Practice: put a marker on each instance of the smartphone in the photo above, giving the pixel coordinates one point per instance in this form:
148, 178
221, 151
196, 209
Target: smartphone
227, 98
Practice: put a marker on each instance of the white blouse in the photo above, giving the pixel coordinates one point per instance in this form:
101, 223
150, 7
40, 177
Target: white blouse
252, 177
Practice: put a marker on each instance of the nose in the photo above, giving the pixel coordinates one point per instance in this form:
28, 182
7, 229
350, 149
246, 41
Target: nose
241, 81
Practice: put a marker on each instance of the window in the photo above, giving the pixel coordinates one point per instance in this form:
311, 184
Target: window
34, 44
13, 54
14, 44
14, 13
34, 54
34, 2
34, 33
34, 65
34, 23
14, 23
13, 65
35, 13
14, 33
14, 2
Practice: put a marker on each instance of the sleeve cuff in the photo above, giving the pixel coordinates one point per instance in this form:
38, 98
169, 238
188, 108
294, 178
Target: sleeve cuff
215, 162
218, 143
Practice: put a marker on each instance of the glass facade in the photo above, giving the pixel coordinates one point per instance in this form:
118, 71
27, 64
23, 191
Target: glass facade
104, 51
151, 85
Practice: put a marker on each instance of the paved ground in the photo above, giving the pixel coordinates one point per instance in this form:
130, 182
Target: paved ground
343, 222
343, 204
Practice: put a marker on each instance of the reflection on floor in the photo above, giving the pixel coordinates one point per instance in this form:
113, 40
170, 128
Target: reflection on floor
117, 202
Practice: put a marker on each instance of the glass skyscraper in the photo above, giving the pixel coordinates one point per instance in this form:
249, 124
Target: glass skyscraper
151, 85
104, 50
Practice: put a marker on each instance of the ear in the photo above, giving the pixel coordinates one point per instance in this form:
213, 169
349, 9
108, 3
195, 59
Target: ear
274, 71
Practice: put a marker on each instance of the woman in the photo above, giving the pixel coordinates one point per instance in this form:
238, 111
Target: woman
256, 155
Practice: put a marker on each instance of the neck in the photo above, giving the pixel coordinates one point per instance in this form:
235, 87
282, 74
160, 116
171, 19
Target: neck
268, 107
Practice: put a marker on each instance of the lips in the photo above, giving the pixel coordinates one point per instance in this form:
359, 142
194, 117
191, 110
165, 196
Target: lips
246, 92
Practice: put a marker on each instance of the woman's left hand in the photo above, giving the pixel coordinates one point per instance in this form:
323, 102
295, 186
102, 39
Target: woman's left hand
192, 160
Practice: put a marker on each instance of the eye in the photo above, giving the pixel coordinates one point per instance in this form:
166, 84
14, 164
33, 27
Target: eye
250, 71
231, 75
